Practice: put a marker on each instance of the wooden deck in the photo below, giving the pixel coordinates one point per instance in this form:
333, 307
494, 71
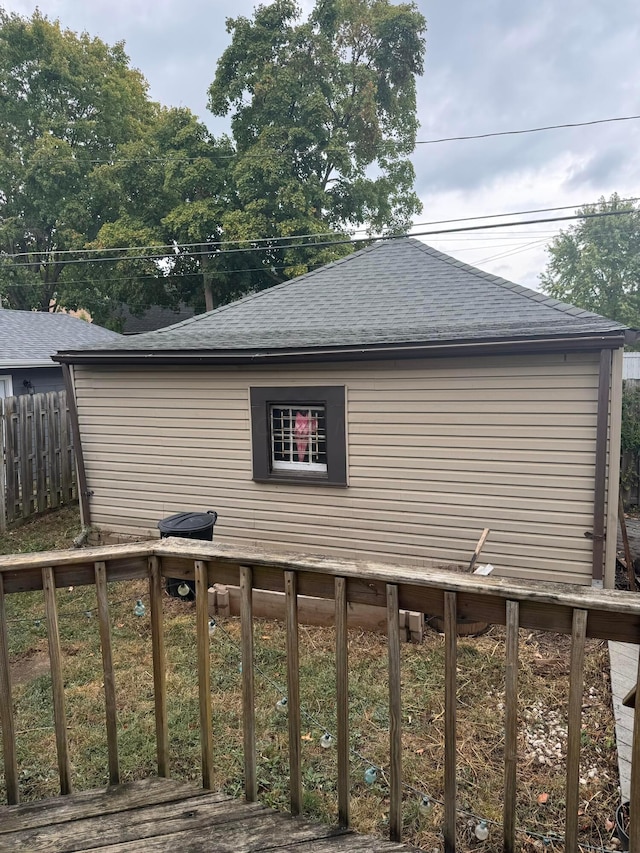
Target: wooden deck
164, 816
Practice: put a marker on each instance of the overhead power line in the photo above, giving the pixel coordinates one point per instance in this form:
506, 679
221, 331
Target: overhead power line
328, 243
463, 138
526, 130
168, 249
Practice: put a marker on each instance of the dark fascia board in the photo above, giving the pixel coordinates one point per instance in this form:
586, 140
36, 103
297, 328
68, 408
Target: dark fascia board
369, 352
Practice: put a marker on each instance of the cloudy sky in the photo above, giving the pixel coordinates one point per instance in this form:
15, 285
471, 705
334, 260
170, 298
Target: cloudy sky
490, 66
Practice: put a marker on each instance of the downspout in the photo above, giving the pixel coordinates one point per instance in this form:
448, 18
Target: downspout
602, 436
83, 492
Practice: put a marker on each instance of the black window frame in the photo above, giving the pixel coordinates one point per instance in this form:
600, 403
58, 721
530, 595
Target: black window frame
332, 397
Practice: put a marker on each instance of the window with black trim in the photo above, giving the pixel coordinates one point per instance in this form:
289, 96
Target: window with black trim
299, 434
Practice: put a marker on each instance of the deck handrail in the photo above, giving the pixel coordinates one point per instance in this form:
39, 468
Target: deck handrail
581, 612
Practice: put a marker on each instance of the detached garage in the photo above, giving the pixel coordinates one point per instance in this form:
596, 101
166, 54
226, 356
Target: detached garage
387, 406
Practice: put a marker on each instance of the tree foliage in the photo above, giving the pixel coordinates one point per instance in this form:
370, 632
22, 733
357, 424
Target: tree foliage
595, 264
66, 103
323, 117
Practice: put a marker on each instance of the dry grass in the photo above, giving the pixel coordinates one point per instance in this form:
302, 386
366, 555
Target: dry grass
543, 686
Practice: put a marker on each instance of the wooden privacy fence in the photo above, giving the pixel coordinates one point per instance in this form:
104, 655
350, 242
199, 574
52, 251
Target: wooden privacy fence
37, 466
577, 611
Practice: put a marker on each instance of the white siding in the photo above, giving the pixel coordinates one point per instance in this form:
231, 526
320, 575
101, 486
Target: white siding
437, 450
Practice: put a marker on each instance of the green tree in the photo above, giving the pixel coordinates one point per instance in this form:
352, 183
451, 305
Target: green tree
323, 117
169, 188
595, 264
66, 103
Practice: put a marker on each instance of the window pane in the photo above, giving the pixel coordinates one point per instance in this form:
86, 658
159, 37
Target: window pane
298, 438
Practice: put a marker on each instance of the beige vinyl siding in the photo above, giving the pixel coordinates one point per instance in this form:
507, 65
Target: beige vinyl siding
437, 450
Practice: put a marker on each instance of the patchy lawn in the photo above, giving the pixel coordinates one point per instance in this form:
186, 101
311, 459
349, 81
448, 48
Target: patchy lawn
543, 685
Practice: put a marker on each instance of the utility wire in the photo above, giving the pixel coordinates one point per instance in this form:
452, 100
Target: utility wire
526, 130
437, 141
274, 241
325, 243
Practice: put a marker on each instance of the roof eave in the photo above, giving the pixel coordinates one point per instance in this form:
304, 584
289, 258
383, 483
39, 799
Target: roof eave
363, 352
25, 364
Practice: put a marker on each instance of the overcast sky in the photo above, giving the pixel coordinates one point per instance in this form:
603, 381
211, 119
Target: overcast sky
490, 66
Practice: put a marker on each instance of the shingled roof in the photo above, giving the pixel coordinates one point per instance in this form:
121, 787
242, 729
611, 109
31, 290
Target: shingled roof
30, 338
396, 292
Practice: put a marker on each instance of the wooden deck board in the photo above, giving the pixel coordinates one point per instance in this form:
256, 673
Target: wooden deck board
623, 659
162, 816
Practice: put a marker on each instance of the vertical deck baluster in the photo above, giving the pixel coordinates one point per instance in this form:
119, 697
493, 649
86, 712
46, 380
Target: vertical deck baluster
511, 726
159, 666
576, 687
248, 695
293, 691
104, 623
342, 701
634, 813
204, 672
395, 714
57, 680
450, 700
6, 706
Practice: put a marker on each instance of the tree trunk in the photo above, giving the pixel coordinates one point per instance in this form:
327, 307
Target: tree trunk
208, 295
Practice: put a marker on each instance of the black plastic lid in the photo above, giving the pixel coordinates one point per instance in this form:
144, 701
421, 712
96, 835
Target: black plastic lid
187, 522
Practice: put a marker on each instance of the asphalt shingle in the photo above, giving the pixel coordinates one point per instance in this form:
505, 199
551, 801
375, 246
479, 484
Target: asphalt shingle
394, 292
34, 336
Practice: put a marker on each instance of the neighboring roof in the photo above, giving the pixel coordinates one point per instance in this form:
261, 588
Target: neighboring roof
153, 318
396, 292
30, 338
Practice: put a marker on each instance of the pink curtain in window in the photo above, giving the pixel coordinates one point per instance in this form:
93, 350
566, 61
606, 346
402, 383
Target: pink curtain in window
304, 426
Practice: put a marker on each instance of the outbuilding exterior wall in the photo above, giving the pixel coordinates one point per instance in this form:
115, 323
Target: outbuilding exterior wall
437, 450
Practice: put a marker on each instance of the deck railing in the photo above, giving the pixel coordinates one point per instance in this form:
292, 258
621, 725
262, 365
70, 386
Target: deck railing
577, 611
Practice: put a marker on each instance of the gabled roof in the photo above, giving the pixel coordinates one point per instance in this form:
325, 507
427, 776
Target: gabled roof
30, 338
395, 293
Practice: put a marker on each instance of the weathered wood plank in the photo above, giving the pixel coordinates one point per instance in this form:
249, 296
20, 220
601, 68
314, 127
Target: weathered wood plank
25, 410
204, 672
3, 468
6, 705
160, 816
11, 450
54, 453
342, 702
450, 702
139, 824
108, 672
268, 604
511, 728
40, 453
243, 835
293, 692
248, 690
66, 454
395, 715
574, 713
159, 666
57, 680
365, 571
86, 804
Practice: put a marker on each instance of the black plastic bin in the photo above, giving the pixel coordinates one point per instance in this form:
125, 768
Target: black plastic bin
189, 525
